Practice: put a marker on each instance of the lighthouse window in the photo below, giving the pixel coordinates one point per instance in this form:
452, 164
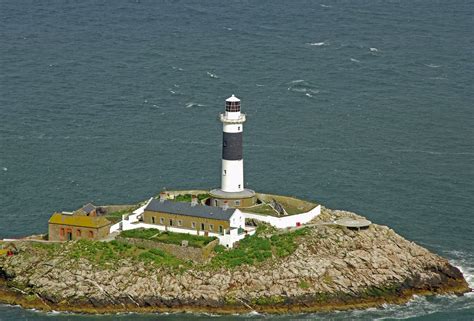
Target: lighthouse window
238, 128
239, 185
225, 143
225, 172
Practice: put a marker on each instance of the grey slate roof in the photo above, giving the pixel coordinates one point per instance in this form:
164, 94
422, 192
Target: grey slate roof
88, 208
185, 208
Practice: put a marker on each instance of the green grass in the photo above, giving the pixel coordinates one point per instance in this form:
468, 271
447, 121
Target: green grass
254, 249
115, 217
168, 237
107, 253
188, 197
263, 209
160, 257
303, 285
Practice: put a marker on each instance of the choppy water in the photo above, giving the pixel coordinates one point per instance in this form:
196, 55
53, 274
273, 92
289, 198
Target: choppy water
360, 105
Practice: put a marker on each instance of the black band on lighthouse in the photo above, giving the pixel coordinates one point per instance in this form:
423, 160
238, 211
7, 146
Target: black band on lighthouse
232, 146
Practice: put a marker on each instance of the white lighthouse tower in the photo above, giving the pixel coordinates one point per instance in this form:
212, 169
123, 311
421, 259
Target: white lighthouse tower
232, 160
232, 191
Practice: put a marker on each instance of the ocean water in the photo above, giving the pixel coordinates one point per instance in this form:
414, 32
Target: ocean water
359, 105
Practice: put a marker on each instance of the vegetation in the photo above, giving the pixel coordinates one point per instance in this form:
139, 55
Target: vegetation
271, 300
160, 257
116, 216
303, 285
188, 197
254, 249
263, 209
103, 253
168, 237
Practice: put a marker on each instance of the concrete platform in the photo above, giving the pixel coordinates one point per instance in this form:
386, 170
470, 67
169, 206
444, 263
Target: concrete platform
354, 223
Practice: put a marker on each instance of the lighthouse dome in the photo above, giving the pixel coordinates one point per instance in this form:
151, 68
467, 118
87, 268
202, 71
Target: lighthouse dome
232, 99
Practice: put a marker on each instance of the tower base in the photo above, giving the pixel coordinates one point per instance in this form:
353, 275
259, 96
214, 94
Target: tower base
245, 198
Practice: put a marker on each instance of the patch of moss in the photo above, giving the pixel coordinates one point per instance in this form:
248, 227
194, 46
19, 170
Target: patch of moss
271, 300
304, 285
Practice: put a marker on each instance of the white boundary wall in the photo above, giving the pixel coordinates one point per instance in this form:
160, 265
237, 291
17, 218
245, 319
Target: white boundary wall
286, 221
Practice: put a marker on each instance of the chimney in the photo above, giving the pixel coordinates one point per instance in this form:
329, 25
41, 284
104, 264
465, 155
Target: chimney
225, 206
162, 197
194, 200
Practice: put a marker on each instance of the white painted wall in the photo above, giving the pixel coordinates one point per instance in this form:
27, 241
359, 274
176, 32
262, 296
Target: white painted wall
237, 219
286, 221
131, 218
232, 175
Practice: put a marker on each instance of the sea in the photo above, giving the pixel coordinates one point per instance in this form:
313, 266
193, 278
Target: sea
365, 106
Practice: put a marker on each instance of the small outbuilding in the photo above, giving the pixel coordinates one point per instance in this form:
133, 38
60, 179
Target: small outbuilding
85, 223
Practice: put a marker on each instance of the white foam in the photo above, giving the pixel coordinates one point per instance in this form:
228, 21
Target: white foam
354, 60
325, 6
373, 49
192, 104
297, 81
210, 74
433, 66
4, 169
316, 43
227, 28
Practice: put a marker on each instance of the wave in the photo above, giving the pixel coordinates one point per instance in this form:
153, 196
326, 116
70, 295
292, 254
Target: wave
4, 169
465, 263
355, 60
316, 43
432, 65
210, 74
193, 104
373, 49
302, 86
325, 6
438, 78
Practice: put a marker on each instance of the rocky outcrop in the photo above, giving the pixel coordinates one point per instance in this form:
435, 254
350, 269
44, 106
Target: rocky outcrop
332, 268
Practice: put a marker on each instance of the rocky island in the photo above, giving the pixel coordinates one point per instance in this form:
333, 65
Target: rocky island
225, 250
321, 266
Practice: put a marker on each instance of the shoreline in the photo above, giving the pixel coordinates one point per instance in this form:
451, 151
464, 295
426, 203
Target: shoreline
13, 297
323, 268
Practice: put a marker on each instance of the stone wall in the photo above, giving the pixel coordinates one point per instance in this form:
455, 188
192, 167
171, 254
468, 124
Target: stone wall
195, 254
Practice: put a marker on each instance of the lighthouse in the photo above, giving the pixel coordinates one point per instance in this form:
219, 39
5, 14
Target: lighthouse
232, 191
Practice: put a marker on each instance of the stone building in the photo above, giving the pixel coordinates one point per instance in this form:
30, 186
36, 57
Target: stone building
85, 223
204, 220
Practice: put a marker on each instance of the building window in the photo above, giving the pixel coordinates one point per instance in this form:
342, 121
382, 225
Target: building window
193, 224
221, 229
152, 220
61, 232
237, 202
203, 226
180, 223
78, 233
239, 185
162, 221
225, 172
171, 222
211, 227
91, 234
